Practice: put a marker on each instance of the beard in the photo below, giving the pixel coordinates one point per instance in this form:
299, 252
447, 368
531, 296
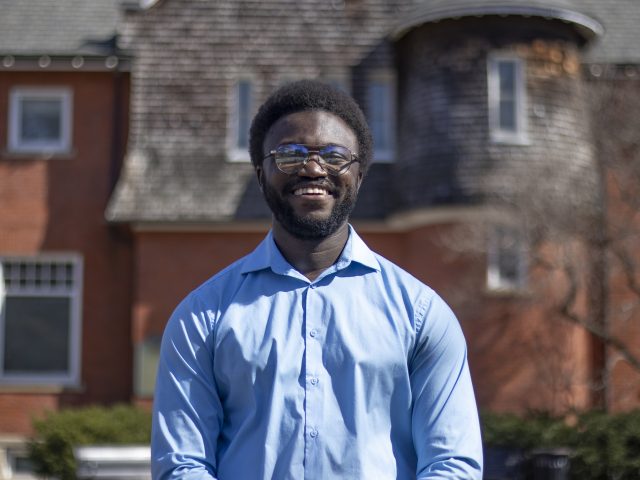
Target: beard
309, 228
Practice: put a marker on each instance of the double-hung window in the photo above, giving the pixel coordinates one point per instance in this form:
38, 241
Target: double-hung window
40, 120
381, 115
240, 120
507, 259
507, 99
40, 301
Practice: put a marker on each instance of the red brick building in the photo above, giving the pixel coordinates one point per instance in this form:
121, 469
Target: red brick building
66, 296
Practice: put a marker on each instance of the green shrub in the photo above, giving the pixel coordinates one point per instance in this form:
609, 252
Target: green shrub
51, 448
607, 446
603, 446
535, 431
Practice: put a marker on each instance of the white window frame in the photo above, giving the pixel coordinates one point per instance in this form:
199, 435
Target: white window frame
237, 153
15, 141
74, 293
519, 136
497, 281
388, 79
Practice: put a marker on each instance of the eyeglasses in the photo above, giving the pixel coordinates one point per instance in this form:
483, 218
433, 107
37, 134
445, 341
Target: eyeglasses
290, 158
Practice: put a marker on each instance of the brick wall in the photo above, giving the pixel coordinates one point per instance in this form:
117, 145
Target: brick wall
56, 204
515, 363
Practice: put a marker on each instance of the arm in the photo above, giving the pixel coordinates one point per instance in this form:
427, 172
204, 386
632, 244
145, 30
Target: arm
187, 412
446, 431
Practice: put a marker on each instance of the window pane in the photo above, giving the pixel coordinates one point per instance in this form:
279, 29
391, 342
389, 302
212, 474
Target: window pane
41, 119
380, 114
147, 354
509, 266
507, 74
508, 115
244, 113
36, 334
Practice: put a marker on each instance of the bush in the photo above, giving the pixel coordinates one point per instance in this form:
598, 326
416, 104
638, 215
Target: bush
607, 446
604, 446
51, 448
535, 431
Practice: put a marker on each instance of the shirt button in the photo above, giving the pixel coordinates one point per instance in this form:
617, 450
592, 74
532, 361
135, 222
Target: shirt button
314, 381
313, 433
313, 332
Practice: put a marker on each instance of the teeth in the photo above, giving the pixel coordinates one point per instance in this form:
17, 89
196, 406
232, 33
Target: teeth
310, 191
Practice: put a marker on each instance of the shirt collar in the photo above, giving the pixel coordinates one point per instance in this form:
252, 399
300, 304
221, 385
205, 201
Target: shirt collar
267, 255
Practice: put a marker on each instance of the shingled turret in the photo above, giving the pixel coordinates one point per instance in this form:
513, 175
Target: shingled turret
491, 102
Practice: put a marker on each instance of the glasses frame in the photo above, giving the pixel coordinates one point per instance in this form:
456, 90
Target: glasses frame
318, 158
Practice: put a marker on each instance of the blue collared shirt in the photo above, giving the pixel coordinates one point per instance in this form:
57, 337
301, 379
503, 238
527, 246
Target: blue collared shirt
359, 374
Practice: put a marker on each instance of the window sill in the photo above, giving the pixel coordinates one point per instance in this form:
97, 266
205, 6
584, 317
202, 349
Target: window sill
507, 293
37, 155
516, 140
40, 389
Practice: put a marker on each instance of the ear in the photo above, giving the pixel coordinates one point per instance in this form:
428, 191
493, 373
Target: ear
359, 180
260, 175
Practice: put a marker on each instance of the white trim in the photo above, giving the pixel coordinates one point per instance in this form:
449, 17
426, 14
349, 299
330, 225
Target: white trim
15, 141
235, 152
385, 78
519, 136
72, 292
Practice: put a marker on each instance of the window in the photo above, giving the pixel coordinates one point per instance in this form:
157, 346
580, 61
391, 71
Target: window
40, 120
147, 355
241, 115
507, 265
507, 98
381, 108
40, 319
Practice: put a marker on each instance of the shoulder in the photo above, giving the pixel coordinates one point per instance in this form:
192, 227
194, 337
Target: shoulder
424, 301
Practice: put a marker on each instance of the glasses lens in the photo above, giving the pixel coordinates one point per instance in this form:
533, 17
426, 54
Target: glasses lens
290, 158
335, 157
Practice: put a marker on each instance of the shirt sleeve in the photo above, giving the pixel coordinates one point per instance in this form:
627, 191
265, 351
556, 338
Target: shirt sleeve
187, 412
446, 430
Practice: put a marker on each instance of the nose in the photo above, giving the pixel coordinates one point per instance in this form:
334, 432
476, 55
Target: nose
313, 168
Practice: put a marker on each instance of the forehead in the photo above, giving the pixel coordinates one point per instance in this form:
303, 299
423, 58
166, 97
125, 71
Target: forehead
311, 127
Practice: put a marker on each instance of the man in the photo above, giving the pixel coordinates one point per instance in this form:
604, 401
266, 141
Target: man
313, 357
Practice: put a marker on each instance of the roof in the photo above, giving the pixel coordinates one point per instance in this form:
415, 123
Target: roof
58, 27
621, 38
564, 10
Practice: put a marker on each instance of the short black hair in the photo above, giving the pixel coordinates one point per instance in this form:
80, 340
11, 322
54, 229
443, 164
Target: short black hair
304, 95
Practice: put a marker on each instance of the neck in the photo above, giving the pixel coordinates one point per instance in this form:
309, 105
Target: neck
310, 257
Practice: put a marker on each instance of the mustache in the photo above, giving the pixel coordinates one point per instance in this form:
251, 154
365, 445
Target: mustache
301, 183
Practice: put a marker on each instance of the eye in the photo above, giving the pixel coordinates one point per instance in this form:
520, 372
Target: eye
335, 154
291, 150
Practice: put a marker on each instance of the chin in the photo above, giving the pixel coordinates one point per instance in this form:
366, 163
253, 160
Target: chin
310, 226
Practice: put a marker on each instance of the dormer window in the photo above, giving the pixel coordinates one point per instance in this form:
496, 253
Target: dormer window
507, 99
381, 107
240, 120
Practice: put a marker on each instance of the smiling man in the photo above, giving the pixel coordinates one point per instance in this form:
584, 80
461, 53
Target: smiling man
313, 357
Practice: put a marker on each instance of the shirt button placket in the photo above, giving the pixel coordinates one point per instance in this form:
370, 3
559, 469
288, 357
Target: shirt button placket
314, 401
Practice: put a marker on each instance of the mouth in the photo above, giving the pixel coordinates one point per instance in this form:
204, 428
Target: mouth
316, 190
313, 191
